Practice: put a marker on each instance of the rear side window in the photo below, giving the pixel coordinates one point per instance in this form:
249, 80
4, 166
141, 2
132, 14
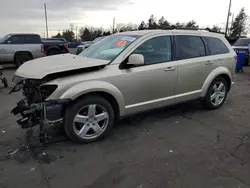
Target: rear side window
216, 46
188, 46
32, 39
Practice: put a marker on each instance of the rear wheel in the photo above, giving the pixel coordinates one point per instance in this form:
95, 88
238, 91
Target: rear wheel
22, 58
89, 119
216, 94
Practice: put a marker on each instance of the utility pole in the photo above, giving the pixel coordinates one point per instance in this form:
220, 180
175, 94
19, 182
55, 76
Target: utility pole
232, 24
228, 15
46, 20
114, 25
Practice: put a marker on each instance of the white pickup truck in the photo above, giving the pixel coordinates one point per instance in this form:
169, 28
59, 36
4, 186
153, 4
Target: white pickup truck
19, 48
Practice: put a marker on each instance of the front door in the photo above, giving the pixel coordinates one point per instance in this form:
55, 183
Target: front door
11, 46
153, 84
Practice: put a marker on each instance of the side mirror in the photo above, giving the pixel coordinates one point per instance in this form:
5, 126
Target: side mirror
8, 42
136, 59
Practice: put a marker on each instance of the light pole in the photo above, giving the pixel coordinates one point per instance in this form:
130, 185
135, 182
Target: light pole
228, 15
46, 20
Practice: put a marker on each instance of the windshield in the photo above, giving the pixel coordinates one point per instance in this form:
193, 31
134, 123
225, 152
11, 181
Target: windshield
109, 48
98, 39
242, 42
4, 38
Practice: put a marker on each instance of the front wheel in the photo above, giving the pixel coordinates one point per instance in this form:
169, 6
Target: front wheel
89, 119
216, 94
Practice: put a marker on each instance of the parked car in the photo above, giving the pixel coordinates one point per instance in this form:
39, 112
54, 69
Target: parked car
124, 74
83, 46
241, 45
74, 44
54, 47
87, 44
19, 48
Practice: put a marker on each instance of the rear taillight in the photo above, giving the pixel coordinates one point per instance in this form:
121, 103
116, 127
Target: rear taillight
42, 49
66, 45
235, 58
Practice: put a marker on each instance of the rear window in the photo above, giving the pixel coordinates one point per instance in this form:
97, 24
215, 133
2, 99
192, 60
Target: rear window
216, 46
32, 39
242, 42
189, 46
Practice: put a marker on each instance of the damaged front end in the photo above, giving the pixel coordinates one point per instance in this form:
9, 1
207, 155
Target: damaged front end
34, 108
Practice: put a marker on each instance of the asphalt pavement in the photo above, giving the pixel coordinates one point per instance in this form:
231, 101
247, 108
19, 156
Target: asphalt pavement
183, 146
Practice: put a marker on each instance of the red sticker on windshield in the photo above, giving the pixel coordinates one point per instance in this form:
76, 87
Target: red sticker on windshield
121, 43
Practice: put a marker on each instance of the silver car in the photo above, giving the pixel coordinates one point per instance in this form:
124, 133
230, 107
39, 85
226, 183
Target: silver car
121, 75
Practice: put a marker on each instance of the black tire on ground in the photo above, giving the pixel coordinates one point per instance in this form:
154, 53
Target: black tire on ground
207, 103
5, 82
73, 109
53, 52
21, 58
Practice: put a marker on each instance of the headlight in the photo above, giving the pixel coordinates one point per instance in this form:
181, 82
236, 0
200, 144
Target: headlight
47, 90
17, 79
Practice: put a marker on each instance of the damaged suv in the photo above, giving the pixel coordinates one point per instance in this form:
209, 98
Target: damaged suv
123, 74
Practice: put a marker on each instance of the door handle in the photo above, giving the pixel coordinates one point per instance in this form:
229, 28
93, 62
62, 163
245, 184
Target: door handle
209, 63
170, 69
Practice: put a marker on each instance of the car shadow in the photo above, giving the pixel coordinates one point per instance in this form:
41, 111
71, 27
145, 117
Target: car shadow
8, 66
125, 130
131, 125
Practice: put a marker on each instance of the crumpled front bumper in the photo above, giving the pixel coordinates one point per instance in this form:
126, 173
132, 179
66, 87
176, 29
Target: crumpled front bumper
51, 112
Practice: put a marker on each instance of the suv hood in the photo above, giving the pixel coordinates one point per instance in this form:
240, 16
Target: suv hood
41, 67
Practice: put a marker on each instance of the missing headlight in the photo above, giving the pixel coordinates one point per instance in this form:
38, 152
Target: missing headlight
47, 90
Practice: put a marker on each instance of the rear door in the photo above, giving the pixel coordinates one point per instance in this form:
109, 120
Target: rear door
193, 66
33, 44
219, 54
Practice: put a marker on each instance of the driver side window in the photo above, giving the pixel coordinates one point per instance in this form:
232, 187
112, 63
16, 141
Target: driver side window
156, 50
16, 39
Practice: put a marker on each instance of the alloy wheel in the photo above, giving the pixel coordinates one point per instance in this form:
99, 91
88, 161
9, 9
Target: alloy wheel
91, 121
218, 93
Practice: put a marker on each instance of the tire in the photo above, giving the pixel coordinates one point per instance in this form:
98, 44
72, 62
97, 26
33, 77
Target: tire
214, 98
21, 58
5, 82
88, 129
53, 52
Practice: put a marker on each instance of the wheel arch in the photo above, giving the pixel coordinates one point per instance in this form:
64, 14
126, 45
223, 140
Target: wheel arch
107, 96
103, 89
23, 53
218, 72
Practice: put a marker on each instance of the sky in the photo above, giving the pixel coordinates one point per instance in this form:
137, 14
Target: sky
28, 15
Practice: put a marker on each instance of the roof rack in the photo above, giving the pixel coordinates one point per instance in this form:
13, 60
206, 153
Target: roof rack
184, 28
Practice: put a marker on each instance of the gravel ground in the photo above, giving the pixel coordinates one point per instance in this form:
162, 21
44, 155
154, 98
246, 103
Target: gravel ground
182, 146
